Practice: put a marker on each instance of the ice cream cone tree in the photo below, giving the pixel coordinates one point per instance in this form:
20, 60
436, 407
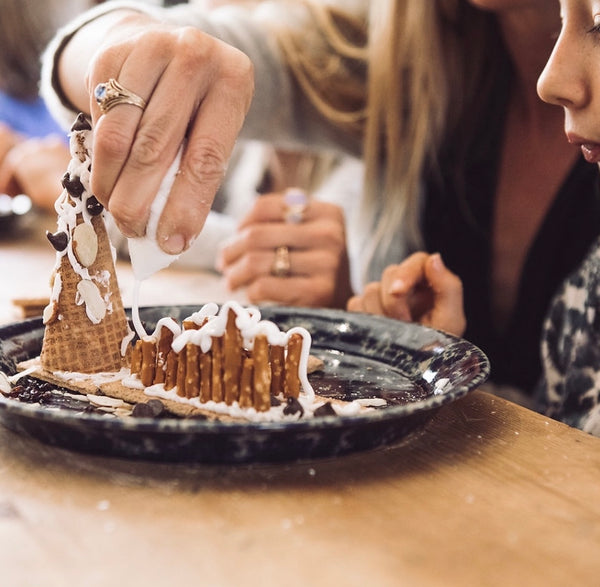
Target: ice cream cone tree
86, 328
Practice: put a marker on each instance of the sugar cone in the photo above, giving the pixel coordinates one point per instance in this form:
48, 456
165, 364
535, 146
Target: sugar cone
86, 326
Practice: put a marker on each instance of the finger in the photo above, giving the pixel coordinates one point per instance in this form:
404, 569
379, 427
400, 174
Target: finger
291, 291
371, 300
260, 238
211, 141
400, 279
448, 306
400, 285
255, 265
320, 235
355, 304
116, 131
272, 208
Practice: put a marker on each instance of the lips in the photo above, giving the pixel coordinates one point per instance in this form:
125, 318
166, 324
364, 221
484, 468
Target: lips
590, 149
591, 152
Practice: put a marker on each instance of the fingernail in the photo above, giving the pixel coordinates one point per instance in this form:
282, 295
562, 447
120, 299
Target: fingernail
126, 231
398, 286
174, 244
436, 261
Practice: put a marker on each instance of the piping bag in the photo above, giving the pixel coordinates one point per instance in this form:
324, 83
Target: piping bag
146, 256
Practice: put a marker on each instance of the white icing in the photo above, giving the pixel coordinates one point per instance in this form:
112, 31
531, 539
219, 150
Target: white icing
135, 310
89, 295
68, 210
146, 256
126, 342
144, 252
169, 323
95, 378
250, 326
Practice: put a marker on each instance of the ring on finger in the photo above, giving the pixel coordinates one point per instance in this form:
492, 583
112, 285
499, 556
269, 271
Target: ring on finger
111, 93
281, 262
295, 201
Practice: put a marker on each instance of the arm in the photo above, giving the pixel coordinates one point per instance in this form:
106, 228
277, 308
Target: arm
195, 86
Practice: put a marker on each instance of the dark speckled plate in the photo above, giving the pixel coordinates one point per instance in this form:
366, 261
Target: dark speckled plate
415, 369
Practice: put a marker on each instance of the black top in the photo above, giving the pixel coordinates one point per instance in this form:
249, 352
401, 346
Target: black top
458, 223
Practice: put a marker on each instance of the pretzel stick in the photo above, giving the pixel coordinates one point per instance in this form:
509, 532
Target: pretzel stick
192, 373
148, 362
181, 367
245, 400
171, 370
217, 369
262, 374
232, 359
163, 348
277, 369
205, 377
291, 386
136, 358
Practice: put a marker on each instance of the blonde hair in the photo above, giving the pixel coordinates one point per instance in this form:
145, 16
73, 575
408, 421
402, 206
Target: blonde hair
401, 76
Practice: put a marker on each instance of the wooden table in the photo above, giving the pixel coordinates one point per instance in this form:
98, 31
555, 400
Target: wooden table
488, 494
27, 261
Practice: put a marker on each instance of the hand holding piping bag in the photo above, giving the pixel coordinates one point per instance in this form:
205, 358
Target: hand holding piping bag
172, 83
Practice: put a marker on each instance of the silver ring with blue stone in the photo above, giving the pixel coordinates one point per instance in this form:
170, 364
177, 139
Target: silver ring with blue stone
112, 93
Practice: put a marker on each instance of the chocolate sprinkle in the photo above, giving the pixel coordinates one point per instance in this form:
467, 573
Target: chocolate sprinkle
93, 206
81, 123
72, 185
293, 407
59, 240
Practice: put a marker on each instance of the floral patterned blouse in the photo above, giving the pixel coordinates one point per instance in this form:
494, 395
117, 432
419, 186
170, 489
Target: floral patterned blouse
570, 386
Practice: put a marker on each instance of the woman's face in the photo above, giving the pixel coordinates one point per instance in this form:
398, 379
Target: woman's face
571, 78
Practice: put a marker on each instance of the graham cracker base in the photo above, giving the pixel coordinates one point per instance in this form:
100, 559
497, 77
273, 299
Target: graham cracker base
86, 384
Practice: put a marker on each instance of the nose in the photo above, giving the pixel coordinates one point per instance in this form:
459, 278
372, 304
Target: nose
561, 82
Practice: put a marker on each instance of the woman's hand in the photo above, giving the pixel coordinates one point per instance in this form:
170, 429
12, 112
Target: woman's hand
420, 289
318, 272
8, 139
197, 89
35, 167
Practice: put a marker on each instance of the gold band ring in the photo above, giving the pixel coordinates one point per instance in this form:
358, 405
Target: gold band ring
112, 93
281, 263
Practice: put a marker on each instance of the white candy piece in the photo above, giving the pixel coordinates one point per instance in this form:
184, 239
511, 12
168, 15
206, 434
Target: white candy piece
85, 244
89, 294
50, 313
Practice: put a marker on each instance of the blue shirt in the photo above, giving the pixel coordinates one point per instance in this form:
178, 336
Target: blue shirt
30, 118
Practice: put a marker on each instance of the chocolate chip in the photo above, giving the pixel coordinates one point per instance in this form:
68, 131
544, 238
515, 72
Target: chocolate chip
59, 240
325, 410
81, 123
151, 409
275, 401
93, 206
72, 185
293, 407
156, 406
